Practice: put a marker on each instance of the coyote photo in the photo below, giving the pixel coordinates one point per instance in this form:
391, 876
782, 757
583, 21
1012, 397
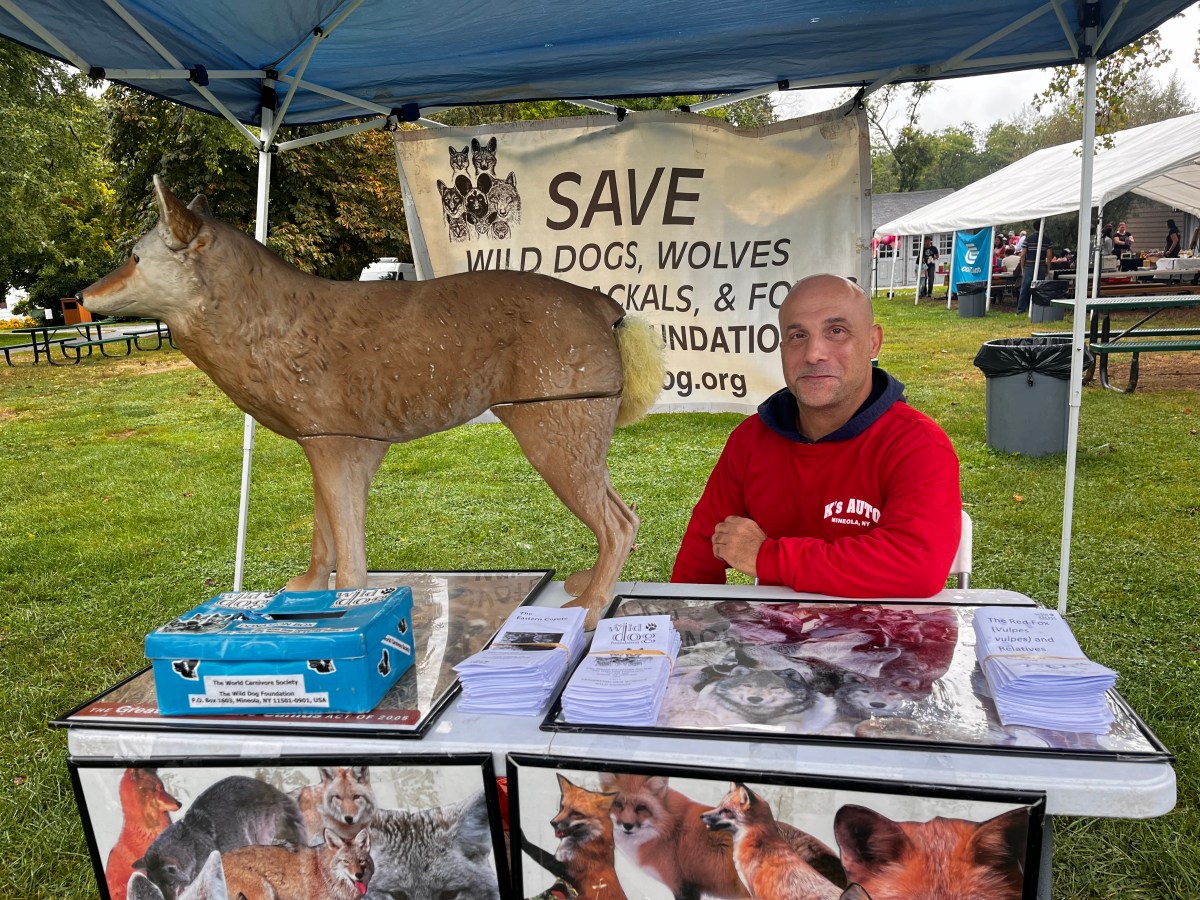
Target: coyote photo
347, 369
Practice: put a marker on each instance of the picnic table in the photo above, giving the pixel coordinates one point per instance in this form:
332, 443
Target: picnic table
40, 338
1133, 338
88, 336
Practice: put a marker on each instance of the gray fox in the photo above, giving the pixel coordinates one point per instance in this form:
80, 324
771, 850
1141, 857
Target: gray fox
434, 853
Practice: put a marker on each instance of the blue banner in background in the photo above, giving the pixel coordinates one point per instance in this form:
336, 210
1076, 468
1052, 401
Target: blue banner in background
972, 256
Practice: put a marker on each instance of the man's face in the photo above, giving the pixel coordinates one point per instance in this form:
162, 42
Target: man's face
828, 340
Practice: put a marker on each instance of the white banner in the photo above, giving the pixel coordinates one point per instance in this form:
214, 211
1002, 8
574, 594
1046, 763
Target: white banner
698, 226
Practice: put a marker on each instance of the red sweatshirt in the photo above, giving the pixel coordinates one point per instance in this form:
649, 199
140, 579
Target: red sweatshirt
872, 510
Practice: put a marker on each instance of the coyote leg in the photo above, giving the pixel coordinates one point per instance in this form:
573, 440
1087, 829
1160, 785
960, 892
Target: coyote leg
342, 469
567, 442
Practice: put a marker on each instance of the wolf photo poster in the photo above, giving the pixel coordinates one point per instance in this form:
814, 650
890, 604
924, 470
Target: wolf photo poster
699, 226
656, 832
341, 829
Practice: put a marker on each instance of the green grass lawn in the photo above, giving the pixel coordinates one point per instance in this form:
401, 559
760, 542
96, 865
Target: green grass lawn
120, 486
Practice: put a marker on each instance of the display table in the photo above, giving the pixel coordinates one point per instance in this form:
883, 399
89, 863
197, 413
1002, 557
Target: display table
1084, 784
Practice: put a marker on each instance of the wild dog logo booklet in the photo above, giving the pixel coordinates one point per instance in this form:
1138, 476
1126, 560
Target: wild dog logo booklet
623, 679
1037, 673
523, 667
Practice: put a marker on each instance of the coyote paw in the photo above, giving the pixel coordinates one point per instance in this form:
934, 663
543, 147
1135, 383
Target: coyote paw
595, 607
577, 584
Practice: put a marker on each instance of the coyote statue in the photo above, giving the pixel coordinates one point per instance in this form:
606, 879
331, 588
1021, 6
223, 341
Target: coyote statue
347, 369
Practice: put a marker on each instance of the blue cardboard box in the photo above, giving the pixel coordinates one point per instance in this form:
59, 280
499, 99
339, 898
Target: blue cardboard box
283, 652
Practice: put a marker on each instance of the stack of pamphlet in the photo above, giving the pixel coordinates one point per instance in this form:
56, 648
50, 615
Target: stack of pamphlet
1037, 673
623, 679
522, 668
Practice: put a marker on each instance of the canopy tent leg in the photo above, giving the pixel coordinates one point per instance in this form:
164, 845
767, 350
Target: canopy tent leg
260, 234
1077, 323
991, 246
953, 247
895, 259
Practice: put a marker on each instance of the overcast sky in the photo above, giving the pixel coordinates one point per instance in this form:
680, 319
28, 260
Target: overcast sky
985, 99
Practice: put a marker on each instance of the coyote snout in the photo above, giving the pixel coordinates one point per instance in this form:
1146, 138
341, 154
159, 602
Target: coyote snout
349, 368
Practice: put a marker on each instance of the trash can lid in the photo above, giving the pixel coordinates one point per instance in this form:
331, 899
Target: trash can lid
1015, 356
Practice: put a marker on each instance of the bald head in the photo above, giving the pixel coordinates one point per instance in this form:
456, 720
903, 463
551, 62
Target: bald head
828, 338
832, 287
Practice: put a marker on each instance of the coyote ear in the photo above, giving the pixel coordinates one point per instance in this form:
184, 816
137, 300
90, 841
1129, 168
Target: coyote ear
199, 206
179, 224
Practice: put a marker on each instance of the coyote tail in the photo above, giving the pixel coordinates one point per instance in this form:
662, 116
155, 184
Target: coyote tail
642, 366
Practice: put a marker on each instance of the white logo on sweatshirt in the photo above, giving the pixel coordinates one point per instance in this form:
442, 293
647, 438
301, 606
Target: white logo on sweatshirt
851, 511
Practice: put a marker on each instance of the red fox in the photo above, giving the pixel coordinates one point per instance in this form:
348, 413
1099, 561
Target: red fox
585, 832
346, 369
340, 870
146, 808
343, 802
765, 861
660, 829
942, 859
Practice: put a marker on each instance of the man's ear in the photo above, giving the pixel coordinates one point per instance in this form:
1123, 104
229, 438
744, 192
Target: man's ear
876, 340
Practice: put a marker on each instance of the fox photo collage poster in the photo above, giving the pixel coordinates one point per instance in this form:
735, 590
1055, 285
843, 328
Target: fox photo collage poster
420, 826
696, 225
661, 832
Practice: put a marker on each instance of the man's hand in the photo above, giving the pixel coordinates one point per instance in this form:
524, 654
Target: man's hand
736, 541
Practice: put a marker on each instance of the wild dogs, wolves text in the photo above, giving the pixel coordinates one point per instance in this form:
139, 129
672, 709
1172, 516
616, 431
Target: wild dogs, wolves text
346, 369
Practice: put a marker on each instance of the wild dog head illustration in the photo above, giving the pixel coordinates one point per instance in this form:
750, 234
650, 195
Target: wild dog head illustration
483, 156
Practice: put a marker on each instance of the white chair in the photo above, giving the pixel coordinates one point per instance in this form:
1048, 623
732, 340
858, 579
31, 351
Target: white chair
961, 567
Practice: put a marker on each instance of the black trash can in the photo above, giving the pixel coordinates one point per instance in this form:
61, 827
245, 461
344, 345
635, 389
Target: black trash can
1027, 393
1042, 310
972, 299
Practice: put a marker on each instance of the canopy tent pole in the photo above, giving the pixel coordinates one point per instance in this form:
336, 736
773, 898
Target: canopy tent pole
1077, 324
899, 239
987, 297
953, 247
260, 234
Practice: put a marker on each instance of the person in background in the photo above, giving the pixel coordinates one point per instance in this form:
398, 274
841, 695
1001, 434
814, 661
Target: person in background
1122, 240
1021, 239
836, 485
929, 258
1106, 240
1011, 260
1172, 251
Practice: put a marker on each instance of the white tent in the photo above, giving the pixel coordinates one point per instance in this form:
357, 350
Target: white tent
1159, 161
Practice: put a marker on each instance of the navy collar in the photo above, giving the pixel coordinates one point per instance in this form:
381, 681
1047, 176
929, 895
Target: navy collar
780, 411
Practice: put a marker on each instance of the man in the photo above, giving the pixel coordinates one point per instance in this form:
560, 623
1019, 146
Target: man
836, 486
929, 256
1029, 262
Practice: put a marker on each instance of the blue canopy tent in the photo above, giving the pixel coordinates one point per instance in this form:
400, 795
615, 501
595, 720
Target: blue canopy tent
264, 63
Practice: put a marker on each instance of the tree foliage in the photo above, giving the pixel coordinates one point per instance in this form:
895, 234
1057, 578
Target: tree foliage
1118, 77
335, 206
55, 227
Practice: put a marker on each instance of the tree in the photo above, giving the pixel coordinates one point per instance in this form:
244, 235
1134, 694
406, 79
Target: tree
55, 233
1119, 76
335, 206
